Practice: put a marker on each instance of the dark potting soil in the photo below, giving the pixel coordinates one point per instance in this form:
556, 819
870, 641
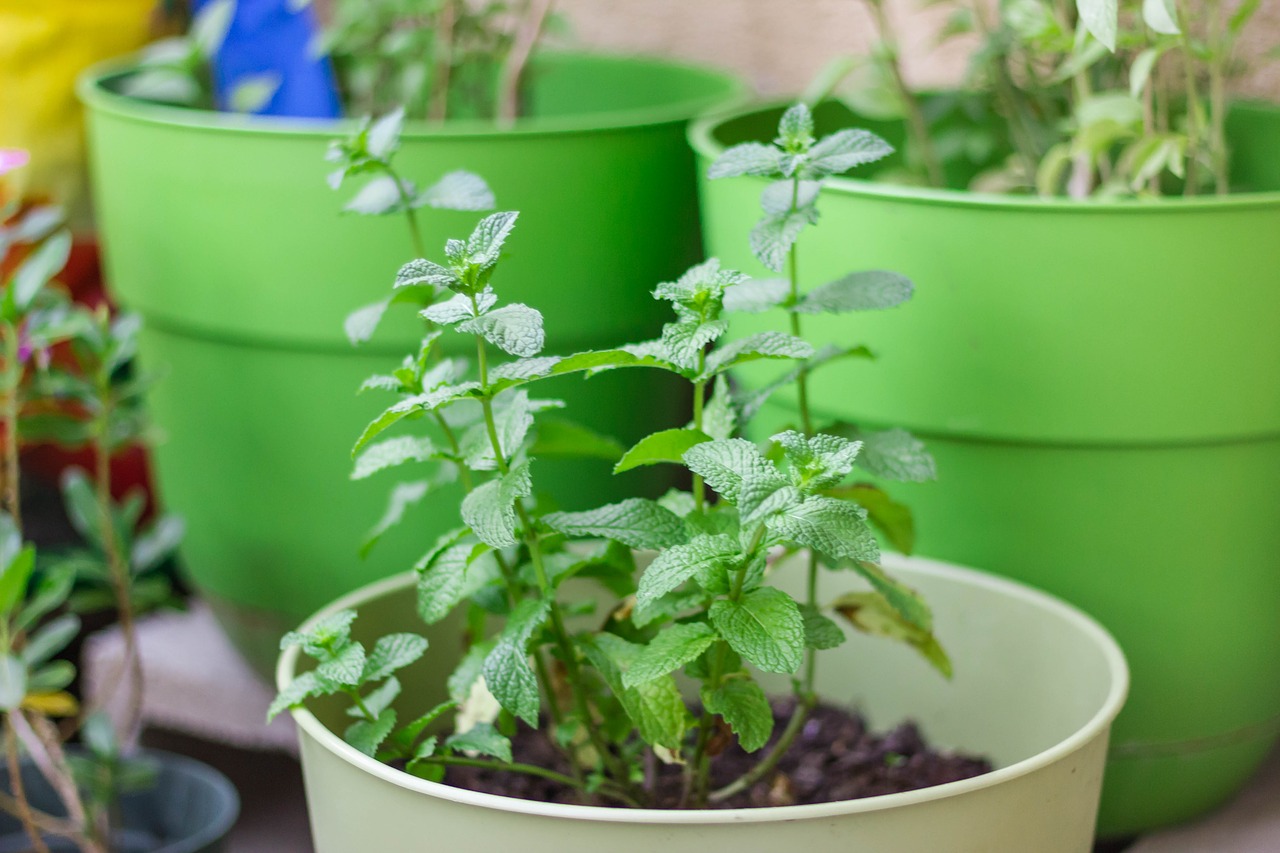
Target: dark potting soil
835, 758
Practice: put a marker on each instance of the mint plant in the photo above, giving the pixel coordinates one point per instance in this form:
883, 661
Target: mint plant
596, 675
78, 399
1095, 97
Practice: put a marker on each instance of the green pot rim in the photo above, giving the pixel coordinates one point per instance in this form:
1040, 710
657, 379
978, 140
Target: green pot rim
1095, 727
701, 135
96, 96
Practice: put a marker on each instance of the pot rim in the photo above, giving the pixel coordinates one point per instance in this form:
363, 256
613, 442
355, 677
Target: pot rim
1095, 727
731, 92
701, 136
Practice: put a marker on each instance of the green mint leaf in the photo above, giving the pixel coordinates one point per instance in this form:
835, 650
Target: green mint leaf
363, 322
378, 699
775, 234
782, 197
683, 342
253, 92
666, 446
506, 669
894, 454
404, 496
908, 603
671, 649
743, 705
459, 308
655, 707
559, 437
157, 542
843, 150
522, 369
391, 453
484, 739
304, 686
421, 765
833, 527
764, 626
820, 461
425, 273
384, 134
757, 346
749, 158
458, 190
345, 666
635, 522
872, 290
681, 503
367, 736
414, 405
513, 417
442, 582
487, 239
751, 402
516, 329
50, 639
871, 613
679, 563
1161, 16
403, 739
761, 498
795, 129
380, 195
1101, 19
667, 607
39, 268
892, 519
725, 464
489, 509
700, 289
756, 295
391, 653
719, 418
820, 632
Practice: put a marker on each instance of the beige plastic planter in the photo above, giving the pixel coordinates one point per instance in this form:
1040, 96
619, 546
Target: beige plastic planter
1037, 685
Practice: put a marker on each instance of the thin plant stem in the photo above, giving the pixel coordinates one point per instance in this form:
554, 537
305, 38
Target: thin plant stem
1219, 153
12, 472
917, 128
21, 807
608, 790
410, 215
770, 761
41, 740
513, 69
699, 402
439, 106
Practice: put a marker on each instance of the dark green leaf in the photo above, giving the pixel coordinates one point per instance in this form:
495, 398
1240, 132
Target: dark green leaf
666, 446
679, 563
484, 739
820, 632
743, 705
833, 527
764, 626
671, 649
391, 653
636, 522
367, 736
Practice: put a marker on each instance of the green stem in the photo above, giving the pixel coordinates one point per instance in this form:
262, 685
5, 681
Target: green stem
699, 402
528, 769
917, 128
410, 214
1219, 153
770, 761
12, 472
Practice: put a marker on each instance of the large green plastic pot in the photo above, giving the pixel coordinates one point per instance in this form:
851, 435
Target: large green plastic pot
222, 232
1037, 684
1100, 383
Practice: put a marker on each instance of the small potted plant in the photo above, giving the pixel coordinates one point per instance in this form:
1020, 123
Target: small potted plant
1096, 203
585, 143
103, 794
541, 705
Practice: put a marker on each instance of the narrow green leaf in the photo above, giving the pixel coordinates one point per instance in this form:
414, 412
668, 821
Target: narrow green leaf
50, 639
393, 452
403, 496
1101, 19
764, 626
40, 267
749, 158
666, 446
871, 613
559, 437
635, 522
487, 239
671, 649
1161, 16
679, 563
871, 290
391, 653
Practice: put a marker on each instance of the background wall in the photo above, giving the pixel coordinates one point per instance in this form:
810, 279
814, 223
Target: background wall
780, 44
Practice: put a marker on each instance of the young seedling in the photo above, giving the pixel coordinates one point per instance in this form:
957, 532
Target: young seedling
603, 691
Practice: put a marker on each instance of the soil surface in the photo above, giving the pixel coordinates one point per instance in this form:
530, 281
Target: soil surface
835, 758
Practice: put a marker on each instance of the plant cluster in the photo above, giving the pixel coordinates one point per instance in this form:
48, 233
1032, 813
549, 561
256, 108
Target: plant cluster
686, 580
64, 378
1094, 97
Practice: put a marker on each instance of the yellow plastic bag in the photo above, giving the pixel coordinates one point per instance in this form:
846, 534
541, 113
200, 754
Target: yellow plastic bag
44, 45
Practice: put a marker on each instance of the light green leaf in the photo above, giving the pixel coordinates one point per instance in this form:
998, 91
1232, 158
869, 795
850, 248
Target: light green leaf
843, 150
489, 509
820, 632
40, 267
459, 308
367, 736
757, 346
1140, 71
795, 128
635, 522
1100, 18
484, 739
671, 649
784, 196
516, 329
872, 290
468, 670
743, 705
425, 273
442, 582
775, 234
819, 461
393, 452
384, 134
393, 652
870, 613
380, 195
414, 405
363, 322
655, 707
458, 190
209, 26
487, 239
403, 496
378, 699
756, 295
749, 158
759, 499
679, 563
305, 685
832, 527
682, 342
666, 446
892, 519
1161, 16
764, 626
896, 454
50, 639
506, 669
719, 417
345, 666
253, 92
725, 464
16, 574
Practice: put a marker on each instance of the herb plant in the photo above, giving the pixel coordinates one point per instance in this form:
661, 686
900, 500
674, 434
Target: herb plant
601, 684
1095, 97
77, 397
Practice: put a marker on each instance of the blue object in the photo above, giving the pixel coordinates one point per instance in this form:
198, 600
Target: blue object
269, 42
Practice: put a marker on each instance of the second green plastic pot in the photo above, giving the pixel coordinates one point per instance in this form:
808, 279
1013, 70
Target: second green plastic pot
222, 232
1036, 686
1100, 384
